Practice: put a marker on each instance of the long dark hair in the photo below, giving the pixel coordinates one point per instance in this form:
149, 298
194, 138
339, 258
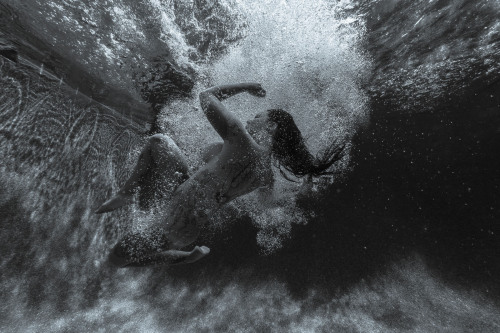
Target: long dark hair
290, 152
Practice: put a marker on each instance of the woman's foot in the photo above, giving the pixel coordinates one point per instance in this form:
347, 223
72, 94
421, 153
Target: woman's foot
115, 202
197, 253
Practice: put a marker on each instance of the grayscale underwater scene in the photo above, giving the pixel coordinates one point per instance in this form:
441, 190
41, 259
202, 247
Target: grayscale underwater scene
403, 235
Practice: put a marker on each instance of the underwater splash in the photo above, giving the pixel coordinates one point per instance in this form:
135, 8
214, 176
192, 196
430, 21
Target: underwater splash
62, 156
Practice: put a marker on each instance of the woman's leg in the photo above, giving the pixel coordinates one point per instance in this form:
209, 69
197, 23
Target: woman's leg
169, 257
151, 247
160, 153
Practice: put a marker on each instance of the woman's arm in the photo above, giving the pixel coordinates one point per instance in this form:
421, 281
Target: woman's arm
225, 91
223, 121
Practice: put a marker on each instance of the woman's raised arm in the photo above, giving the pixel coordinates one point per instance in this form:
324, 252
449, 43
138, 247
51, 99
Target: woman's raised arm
223, 121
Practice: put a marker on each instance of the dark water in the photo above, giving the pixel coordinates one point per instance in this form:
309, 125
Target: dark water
405, 239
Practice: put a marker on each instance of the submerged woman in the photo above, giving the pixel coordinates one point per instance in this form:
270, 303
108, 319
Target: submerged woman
242, 164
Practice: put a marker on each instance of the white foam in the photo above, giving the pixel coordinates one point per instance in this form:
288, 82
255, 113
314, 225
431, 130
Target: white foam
307, 56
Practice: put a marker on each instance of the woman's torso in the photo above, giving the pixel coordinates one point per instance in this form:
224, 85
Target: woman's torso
237, 170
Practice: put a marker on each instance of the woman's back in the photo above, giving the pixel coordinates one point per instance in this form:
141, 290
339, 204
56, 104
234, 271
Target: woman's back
237, 170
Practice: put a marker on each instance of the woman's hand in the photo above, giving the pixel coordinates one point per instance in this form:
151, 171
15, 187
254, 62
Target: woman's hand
257, 91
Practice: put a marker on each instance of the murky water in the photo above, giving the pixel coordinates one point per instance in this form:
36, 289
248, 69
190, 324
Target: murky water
62, 156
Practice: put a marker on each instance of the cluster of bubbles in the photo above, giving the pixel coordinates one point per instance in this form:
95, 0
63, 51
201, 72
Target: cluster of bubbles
308, 57
432, 50
118, 40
